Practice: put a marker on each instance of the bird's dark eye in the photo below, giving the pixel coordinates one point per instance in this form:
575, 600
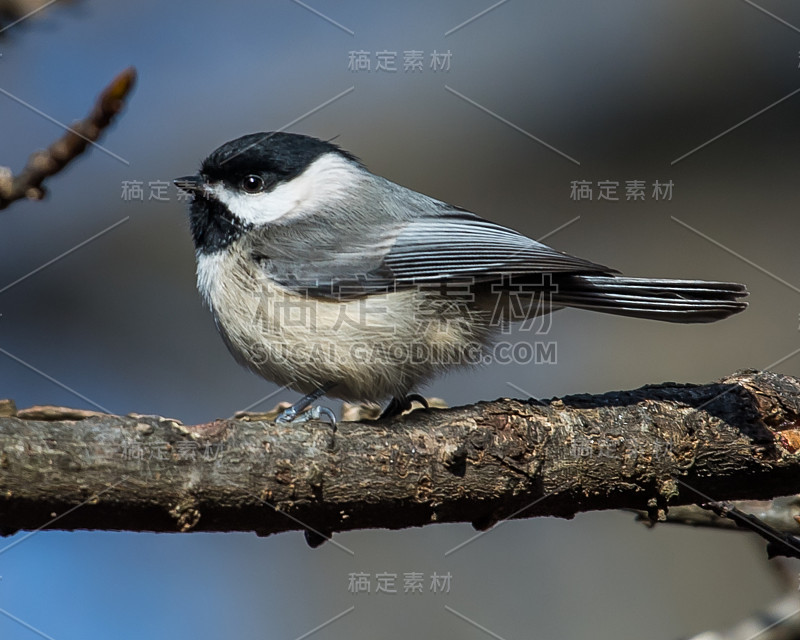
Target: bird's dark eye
253, 183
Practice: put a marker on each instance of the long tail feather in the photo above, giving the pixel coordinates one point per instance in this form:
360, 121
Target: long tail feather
667, 300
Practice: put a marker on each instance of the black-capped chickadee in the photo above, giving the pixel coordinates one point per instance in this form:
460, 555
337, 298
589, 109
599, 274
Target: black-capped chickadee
328, 279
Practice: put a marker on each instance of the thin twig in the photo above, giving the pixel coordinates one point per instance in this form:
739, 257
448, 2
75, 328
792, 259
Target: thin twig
782, 514
43, 164
778, 543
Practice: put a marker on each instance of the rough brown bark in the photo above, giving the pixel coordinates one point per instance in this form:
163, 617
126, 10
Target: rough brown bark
660, 445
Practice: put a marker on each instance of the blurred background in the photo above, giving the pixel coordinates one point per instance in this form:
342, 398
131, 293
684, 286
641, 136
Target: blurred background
502, 112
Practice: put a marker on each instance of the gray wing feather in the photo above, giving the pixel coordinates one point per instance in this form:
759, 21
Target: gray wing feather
391, 237
401, 253
461, 244
312, 262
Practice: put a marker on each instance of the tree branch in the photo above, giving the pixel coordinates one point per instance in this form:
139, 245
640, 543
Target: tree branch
43, 164
781, 514
646, 449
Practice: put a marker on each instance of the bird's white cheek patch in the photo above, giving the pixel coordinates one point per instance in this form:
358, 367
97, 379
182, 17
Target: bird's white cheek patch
328, 178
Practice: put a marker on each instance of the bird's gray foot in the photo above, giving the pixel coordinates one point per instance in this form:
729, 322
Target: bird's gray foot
302, 411
399, 405
312, 413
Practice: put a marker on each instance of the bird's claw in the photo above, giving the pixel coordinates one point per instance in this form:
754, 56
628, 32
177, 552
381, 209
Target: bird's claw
398, 406
314, 413
317, 413
415, 397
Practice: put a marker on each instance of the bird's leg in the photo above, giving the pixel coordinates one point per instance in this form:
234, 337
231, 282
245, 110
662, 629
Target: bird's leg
398, 405
300, 411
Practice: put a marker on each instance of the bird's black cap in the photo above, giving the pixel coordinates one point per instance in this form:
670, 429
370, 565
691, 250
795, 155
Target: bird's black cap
277, 156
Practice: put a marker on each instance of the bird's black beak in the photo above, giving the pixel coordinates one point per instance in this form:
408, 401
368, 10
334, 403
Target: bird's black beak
190, 184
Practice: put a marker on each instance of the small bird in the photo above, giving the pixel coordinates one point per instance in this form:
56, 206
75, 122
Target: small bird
328, 279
